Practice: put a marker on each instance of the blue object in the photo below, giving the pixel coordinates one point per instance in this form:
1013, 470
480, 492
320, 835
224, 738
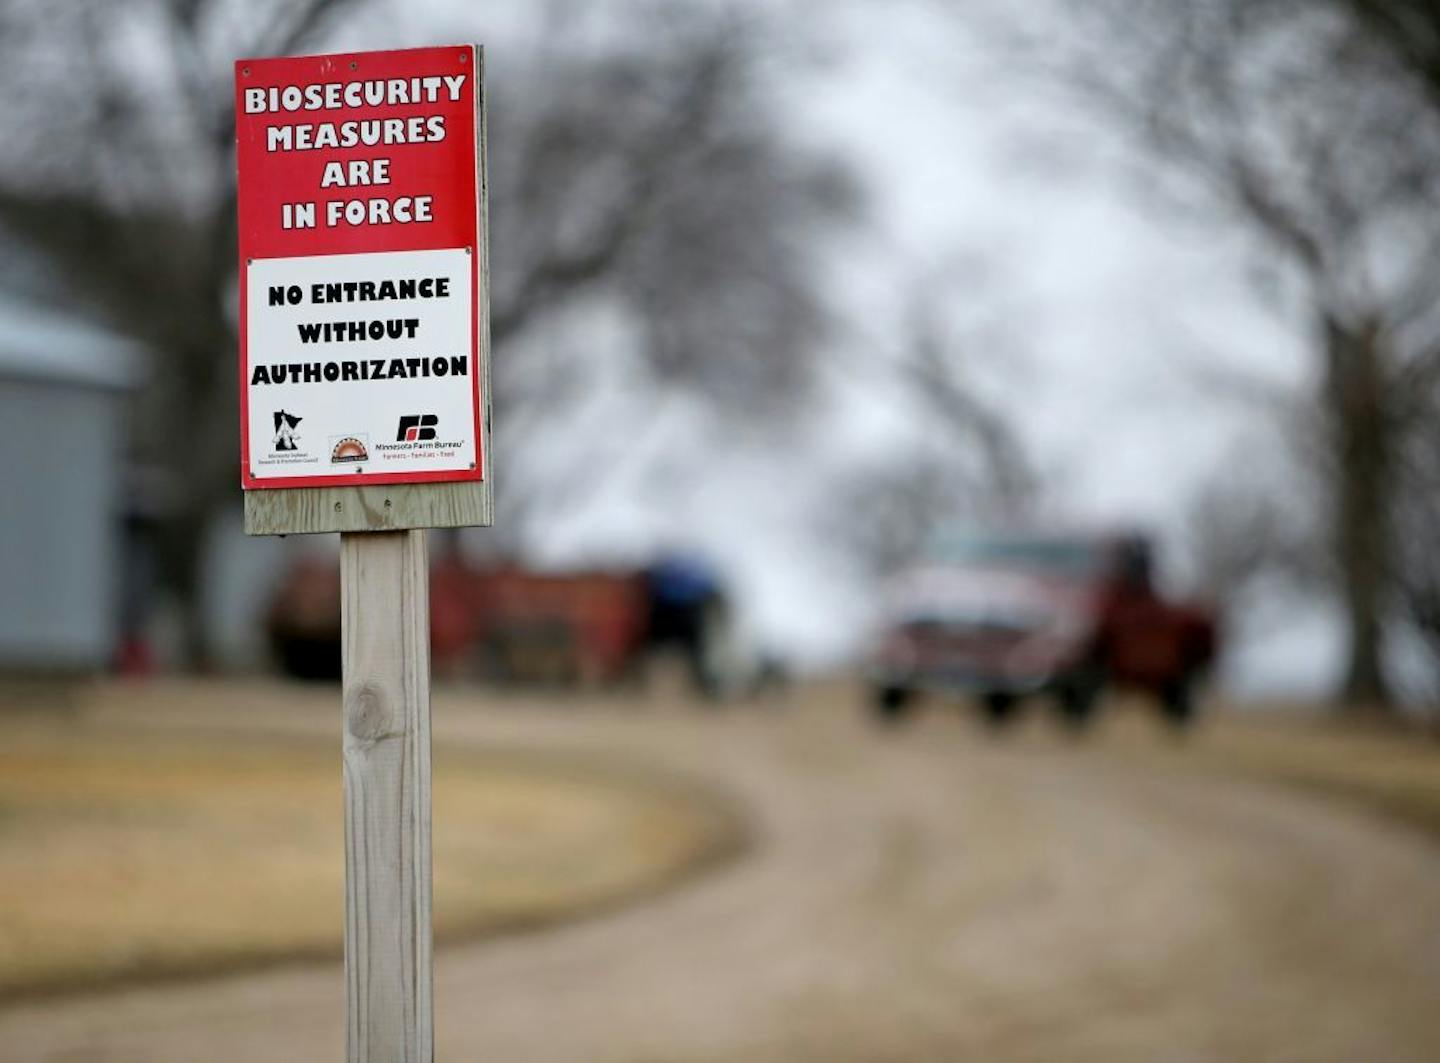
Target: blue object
682, 581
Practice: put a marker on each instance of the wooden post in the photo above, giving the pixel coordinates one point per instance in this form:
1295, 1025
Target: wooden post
386, 679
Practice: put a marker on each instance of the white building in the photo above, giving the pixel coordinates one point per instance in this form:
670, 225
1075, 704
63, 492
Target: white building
62, 399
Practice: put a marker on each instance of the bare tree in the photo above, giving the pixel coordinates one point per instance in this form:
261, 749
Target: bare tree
1410, 29
1242, 532
1417, 519
116, 170
653, 178
965, 462
651, 175
1296, 120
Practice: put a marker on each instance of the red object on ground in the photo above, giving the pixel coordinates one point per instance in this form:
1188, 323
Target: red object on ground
502, 622
578, 626
135, 658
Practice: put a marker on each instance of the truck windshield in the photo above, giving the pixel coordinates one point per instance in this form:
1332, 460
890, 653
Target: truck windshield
1057, 555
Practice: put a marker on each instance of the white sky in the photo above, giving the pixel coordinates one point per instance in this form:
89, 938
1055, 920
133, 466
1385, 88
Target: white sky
1115, 302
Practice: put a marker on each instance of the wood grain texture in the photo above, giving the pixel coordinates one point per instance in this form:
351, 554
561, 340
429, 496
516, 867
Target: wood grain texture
397, 507
482, 298
307, 510
386, 699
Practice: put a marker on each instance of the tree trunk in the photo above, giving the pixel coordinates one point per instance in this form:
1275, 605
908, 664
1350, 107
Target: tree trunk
182, 567
189, 435
1361, 430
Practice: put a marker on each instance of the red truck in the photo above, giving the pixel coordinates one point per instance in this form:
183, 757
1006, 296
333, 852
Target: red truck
1003, 617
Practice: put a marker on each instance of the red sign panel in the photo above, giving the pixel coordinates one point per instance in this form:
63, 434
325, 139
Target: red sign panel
361, 261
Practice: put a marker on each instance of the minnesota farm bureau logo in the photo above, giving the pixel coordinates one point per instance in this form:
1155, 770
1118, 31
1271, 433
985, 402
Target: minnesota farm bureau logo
417, 428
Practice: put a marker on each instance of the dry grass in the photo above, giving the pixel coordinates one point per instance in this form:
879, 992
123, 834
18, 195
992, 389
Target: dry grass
153, 853
1389, 770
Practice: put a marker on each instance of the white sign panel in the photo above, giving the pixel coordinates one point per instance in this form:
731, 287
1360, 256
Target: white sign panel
361, 363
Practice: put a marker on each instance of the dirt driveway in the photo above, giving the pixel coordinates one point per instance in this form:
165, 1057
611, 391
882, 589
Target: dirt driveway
928, 895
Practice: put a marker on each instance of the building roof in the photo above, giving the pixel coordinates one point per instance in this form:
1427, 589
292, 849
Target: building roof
39, 343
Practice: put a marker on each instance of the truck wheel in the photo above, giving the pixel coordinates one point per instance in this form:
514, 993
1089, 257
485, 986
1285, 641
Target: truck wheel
999, 707
891, 704
1078, 697
1177, 701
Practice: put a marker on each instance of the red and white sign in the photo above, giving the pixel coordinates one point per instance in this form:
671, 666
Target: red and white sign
361, 259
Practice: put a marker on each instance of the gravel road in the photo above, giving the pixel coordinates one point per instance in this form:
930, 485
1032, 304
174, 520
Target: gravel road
924, 895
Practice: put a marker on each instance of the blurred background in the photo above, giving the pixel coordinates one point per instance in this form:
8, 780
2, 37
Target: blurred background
786, 290
830, 341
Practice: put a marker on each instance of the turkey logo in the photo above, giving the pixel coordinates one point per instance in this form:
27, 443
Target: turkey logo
348, 451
